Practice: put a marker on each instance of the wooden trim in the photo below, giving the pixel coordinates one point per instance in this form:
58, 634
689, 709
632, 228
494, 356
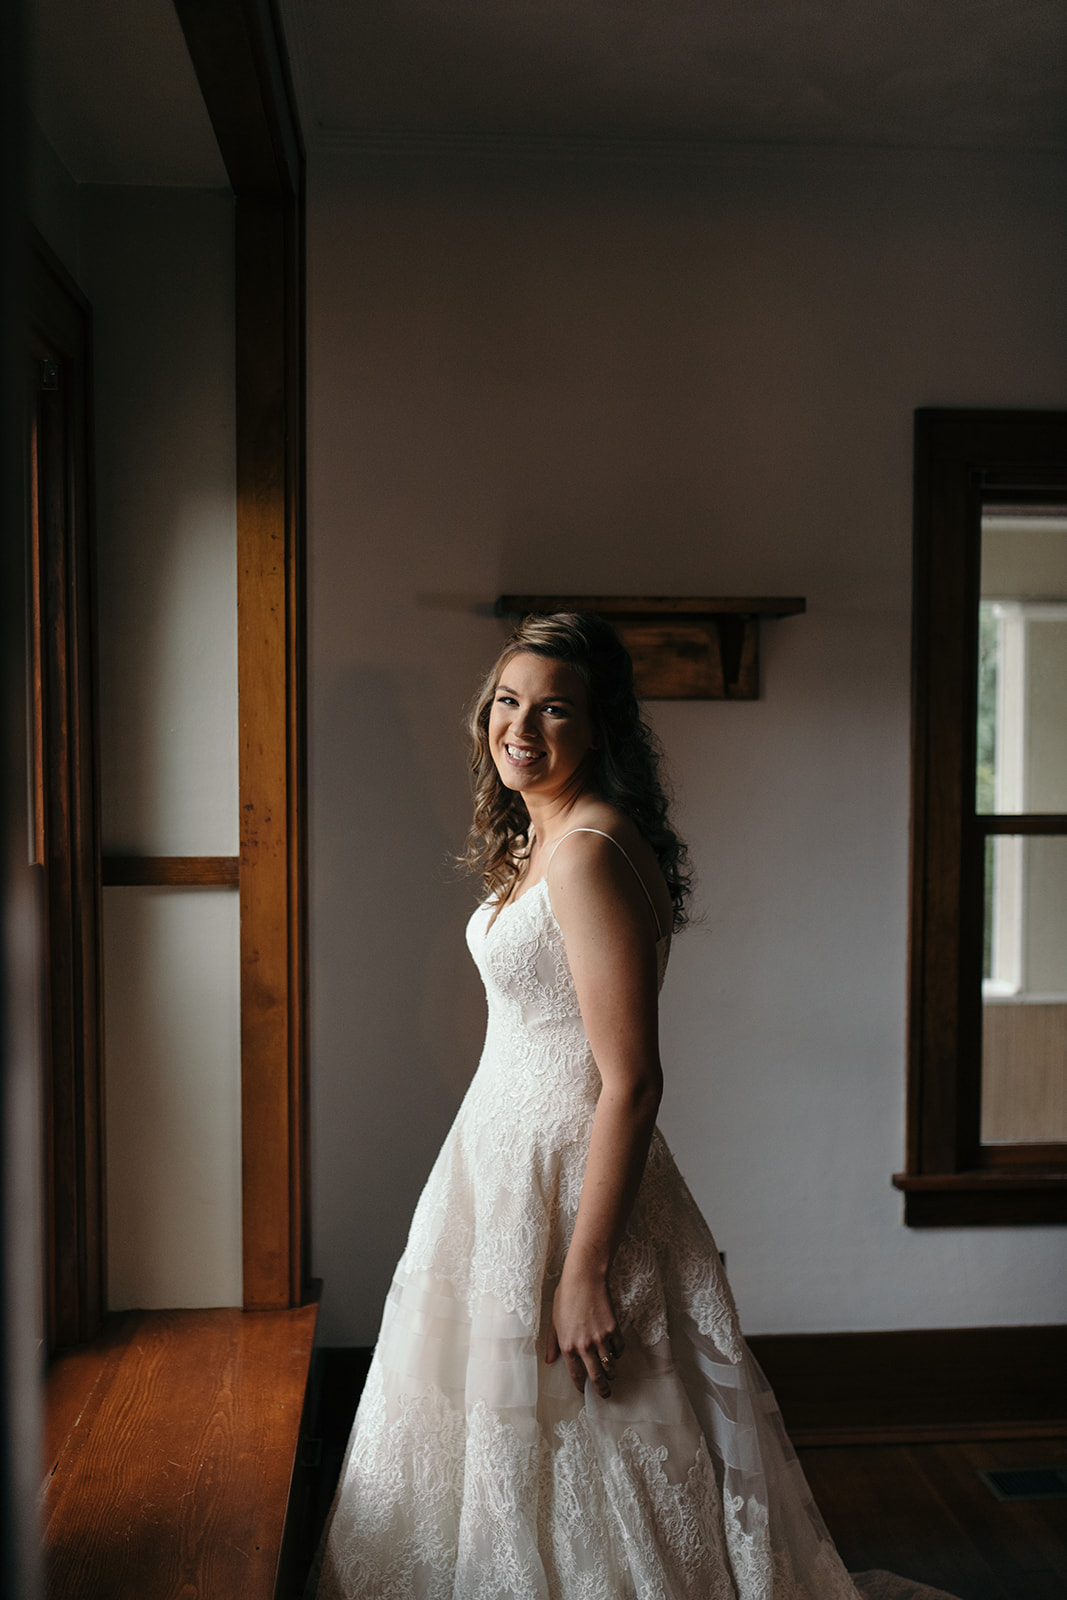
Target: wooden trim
918, 1385
67, 827
301, 1286
904, 1386
1052, 823
962, 459
237, 53
262, 607
926, 1433
242, 68
969, 1205
1051, 1156
993, 1195
989, 1179
127, 872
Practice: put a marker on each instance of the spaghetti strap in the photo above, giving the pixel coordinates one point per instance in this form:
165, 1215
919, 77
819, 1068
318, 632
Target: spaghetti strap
618, 846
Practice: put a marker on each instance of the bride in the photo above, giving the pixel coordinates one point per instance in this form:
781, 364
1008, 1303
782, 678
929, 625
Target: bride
561, 1405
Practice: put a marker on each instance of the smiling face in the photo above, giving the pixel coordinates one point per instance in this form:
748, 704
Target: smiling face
540, 730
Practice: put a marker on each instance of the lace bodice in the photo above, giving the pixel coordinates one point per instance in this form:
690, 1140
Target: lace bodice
520, 1141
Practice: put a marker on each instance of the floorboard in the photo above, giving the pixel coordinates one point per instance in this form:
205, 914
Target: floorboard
921, 1510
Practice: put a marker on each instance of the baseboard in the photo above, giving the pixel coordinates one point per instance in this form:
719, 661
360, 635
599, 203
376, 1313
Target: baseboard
918, 1386
932, 1385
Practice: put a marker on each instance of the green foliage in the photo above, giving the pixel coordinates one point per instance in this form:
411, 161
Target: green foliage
986, 757
985, 765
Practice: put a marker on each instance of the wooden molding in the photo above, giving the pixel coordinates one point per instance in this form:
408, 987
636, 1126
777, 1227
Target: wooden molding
910, 1386
963, 460
66, 828
200, 872
991, 1196
907, 1386
237, 53
688, 648
243, 73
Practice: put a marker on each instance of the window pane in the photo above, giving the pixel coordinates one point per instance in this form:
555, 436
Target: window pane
1021, 763
1024, 1014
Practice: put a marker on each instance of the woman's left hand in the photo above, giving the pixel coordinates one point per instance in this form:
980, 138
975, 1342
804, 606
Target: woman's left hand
585, 1332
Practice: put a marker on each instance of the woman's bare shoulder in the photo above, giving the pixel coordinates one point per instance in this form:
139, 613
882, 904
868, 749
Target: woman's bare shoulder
597, 816
589, 864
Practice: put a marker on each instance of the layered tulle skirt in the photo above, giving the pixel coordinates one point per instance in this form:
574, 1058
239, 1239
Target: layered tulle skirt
476, 1471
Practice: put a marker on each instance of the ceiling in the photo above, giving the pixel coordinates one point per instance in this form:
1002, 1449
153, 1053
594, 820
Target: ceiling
927, 73
115, 93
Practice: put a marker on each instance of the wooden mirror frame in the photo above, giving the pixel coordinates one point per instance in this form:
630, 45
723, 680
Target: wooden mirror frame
963, 460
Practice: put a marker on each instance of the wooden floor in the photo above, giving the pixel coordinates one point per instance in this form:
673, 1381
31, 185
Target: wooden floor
921, 1510
170, 1447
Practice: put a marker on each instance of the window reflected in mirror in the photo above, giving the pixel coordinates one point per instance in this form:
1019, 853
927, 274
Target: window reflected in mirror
1021, 772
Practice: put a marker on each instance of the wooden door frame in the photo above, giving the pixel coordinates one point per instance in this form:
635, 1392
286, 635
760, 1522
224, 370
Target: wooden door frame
239, 58
64, 799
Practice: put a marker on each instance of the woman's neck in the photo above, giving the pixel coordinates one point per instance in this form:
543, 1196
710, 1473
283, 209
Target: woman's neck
549, 819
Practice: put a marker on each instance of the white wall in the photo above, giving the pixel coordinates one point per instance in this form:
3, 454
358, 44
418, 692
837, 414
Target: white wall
173, 1097
157, 266
655, 381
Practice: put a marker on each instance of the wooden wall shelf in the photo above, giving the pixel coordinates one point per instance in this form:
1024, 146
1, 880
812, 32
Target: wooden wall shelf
682, 649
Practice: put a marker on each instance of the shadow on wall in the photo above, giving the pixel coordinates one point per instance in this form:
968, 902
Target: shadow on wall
397, 1012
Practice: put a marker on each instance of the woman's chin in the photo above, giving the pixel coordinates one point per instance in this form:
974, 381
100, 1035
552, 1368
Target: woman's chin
514, 776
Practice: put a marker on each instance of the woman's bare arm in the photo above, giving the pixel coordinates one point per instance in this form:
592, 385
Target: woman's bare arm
607, 928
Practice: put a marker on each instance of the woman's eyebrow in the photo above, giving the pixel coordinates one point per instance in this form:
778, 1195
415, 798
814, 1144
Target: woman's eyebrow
547, 699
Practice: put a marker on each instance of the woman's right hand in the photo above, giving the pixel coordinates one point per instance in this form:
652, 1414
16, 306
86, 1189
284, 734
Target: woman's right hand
584, 1331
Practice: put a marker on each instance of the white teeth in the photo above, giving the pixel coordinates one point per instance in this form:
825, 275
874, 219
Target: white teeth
518, 754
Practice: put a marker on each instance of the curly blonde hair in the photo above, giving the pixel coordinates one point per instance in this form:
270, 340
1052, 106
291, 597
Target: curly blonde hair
623, 766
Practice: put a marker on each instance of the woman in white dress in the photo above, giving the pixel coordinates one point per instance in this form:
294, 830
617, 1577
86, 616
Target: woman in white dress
560, 1405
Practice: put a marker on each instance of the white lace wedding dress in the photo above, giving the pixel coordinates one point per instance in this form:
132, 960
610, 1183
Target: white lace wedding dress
475, 1470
